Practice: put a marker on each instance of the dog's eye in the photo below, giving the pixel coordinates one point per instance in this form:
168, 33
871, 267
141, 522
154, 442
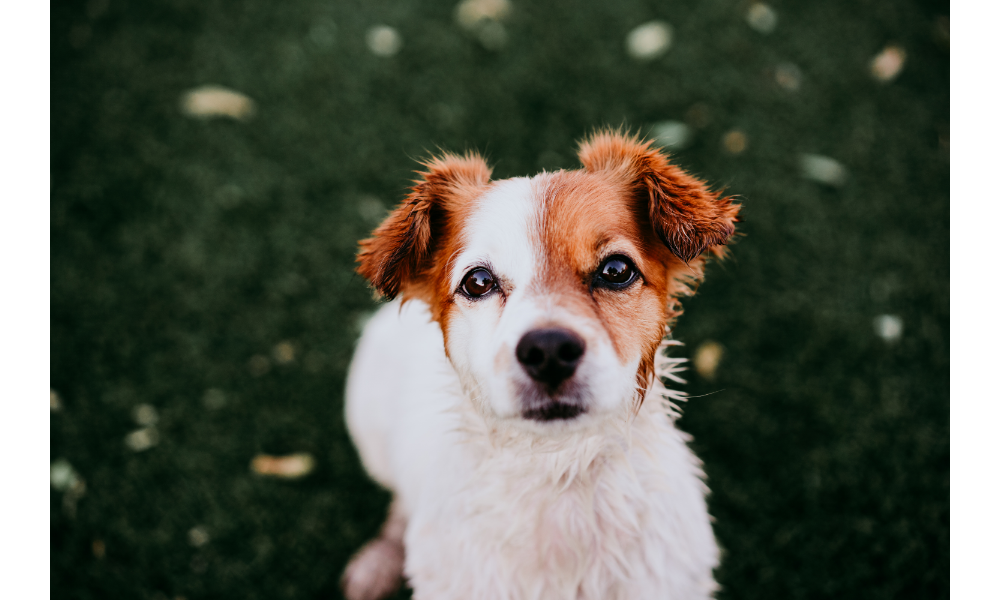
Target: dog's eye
478, 282
617, 272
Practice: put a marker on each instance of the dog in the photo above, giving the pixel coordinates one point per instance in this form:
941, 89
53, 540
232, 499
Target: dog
510, 394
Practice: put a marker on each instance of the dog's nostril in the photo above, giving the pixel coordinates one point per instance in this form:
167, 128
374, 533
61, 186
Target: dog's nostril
535, 357
570, 352
550, 356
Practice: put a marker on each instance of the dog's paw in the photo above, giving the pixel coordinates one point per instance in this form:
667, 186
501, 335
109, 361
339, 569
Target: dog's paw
375, 572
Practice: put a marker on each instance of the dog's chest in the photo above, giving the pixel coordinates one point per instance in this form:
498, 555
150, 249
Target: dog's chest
586, 536
539, 526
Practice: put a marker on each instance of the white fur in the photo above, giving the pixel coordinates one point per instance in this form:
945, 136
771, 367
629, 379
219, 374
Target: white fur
607, 505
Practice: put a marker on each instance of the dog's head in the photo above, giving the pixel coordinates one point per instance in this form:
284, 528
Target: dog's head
553, 292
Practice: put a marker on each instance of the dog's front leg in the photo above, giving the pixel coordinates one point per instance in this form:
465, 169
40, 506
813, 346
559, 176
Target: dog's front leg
376, 571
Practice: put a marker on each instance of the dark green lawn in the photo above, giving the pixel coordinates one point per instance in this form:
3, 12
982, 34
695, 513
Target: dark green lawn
184, 250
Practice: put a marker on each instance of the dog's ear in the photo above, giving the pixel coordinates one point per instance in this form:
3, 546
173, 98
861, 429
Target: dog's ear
397, 253
687, 216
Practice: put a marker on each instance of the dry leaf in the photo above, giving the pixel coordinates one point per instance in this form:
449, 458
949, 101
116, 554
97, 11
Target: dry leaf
292, 466
216, 101
707, 358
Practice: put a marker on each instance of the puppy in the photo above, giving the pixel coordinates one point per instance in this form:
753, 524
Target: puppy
511, 397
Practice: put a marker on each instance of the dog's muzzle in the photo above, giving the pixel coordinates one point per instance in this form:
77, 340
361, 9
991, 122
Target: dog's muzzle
550, 357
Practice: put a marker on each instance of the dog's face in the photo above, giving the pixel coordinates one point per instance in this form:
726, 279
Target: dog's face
553, 293
557, 294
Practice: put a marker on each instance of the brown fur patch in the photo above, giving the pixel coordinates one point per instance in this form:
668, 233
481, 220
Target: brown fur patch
404, 250
588, 217
687, 216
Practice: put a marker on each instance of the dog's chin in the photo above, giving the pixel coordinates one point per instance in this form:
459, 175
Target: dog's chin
554, 411
563, 405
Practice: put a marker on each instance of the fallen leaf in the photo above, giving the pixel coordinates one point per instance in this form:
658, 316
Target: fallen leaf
217, 101
707, 358
292, 466
888, 63
649, 40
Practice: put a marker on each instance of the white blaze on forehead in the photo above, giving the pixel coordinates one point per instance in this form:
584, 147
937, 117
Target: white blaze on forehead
503, 232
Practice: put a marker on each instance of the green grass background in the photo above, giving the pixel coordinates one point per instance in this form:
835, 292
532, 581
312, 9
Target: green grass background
182, 248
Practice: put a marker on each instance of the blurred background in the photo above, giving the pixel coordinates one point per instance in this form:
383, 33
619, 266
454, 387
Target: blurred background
213, 165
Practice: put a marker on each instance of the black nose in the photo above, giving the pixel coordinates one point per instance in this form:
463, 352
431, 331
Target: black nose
550, 356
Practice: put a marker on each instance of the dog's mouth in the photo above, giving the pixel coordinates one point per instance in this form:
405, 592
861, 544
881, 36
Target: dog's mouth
542, 404
554, 411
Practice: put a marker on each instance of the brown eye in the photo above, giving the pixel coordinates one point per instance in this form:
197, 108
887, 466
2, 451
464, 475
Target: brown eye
617, 272
477, 282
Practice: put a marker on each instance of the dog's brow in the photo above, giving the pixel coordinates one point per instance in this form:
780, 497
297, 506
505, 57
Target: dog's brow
611, 246
450, 263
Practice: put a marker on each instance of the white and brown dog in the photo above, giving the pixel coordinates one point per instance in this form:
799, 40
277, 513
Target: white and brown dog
512, 398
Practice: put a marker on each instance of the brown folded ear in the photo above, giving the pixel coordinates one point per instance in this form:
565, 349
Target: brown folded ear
398, 252
687, 216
